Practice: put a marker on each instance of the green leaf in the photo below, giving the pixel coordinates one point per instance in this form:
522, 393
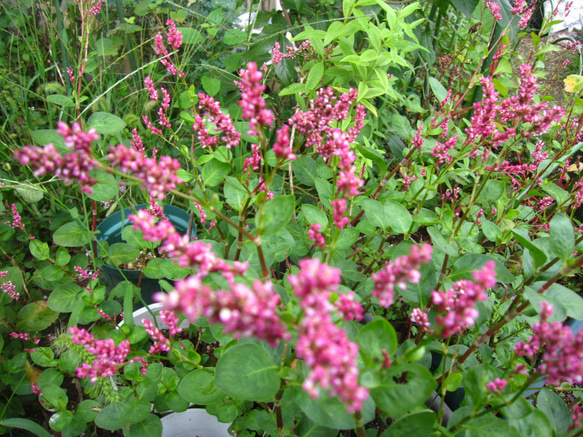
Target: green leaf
488, 427
491, 230
375, 337
60, 420
415, 424
246, 371
105, 47
62, 257
398, 398
235, 194
36, 316
55, 396
135, 410
106, 123
330, 412
440, 242
314, 215
122, 253
110, 417
315, 76
375, 213
453, 381
305, 170
87, 410
43, 356
159, 268
42, 137
58, 99
39, 249
151, 427
214, 172
539, 256
438, 89
374, 155
491, 192
572, 301
72, 234
276, 214
518, 409
106, 189
475, 382
190, 35
562, 237
294, 88
198, 387
464, 268
234, 37
29, 193
398, 217
27, 425
466, 7
347, 238
556, 410
211, 85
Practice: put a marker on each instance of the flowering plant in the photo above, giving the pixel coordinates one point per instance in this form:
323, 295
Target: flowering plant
328, 288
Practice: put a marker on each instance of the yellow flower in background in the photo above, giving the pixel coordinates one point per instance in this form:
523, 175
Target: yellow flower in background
573, 83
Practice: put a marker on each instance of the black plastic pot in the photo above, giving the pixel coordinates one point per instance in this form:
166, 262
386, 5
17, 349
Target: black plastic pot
110, 230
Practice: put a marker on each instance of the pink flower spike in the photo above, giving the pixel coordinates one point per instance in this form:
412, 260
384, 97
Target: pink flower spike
496, 386
157, 177
399, 272
252, 104
70, 167
282, 146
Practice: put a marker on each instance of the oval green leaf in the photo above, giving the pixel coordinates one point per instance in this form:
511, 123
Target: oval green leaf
246, 371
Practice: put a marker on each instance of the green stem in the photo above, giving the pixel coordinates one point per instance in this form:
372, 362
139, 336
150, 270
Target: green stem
359, 424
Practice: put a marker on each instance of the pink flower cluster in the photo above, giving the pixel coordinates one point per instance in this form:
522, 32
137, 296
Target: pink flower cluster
522, 8
94, 5
317, 123
348, 183
324, 346
496, 386
399, 272
315, 235
108, 356
8, 287
254, 160
70, 167
243, 311
420, 319
519, 109
441, 150
193, 254
512, 170
157, 178
562, 360
174, 40
16, 219
252, 104
136, 142
35, 389
339, 208
86, 274
291, 51
282, 147
348, 307
162, 343
495, 9
212, 109
458, 303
